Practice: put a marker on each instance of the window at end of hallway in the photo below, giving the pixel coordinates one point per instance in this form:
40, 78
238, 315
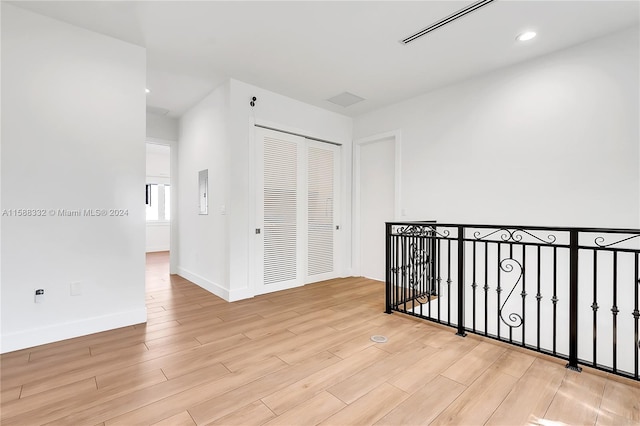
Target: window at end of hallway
158, 199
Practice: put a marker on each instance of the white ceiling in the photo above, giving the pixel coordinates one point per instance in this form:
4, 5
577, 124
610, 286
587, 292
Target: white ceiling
312, 51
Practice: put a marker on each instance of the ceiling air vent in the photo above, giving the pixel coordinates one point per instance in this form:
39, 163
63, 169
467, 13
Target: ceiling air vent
345, 99
157, 110
444, 21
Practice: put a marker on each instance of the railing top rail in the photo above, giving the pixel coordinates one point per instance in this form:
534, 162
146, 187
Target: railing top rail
533, 227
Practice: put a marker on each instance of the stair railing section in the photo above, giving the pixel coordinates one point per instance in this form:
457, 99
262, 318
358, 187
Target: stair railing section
572, 293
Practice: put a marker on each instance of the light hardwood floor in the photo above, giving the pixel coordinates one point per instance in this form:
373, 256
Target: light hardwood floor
297, 357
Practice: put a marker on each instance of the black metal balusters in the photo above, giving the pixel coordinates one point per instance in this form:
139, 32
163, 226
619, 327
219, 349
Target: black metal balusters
523, 294
573, 301
474, 284
417, 273
615, 311
486, 288
636, 316
389, 266
538, 299
594, 308
555, 299
460, 260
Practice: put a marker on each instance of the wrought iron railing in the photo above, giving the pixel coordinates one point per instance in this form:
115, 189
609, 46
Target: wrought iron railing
572, 293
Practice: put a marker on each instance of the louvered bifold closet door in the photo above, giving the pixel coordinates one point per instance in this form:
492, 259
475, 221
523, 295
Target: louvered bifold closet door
322, 208
280, 213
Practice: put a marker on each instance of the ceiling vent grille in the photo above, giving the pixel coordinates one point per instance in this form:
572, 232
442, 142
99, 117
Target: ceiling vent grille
444, 21
157, 110
345, 99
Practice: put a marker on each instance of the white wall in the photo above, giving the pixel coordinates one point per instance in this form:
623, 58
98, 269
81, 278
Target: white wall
158, 237
162, 127
73, 138
158, 161
203, 242
553, 141
283, 113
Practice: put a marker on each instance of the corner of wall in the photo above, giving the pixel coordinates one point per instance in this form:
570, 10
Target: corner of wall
206, 284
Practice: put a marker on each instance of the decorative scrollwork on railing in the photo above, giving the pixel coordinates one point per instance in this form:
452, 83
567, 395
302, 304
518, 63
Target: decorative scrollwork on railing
508, 266
419, 269
513, 235
418, 260
599, 241
420, 231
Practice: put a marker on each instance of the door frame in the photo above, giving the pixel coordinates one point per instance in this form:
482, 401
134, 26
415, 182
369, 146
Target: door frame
173, 181
396, 135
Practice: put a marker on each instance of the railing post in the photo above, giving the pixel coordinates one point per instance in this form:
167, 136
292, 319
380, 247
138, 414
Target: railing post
388, 232
573, 301
433, 260
461, 331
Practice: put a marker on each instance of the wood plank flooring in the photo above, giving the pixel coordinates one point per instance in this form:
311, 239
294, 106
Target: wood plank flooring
297, 357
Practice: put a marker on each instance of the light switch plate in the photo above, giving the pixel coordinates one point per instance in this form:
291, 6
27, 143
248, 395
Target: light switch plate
75, 288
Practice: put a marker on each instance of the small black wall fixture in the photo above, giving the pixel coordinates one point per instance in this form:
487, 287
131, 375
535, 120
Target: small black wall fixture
253, 101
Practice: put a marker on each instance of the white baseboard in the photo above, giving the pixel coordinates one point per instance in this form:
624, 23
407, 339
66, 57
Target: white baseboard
240, 294
68, 330
210, 286
157, 248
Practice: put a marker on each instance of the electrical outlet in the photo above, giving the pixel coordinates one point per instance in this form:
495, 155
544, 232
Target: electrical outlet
39, 296
75, 288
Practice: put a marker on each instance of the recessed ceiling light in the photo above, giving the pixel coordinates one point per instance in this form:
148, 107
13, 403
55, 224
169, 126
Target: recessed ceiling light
147, 91
526, 36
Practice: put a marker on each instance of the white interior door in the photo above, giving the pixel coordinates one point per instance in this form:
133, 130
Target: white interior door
377, 198
297, 210
280, 212
323, 177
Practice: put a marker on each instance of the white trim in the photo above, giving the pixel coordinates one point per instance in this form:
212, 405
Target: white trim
252, 278
53, 333
396, 135
155, 249
160, 141
173, 182
240, 294
158, 222
201, 281
164, 180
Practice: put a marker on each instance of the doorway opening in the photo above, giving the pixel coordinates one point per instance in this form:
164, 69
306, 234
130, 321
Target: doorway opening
376, 200
158, 194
